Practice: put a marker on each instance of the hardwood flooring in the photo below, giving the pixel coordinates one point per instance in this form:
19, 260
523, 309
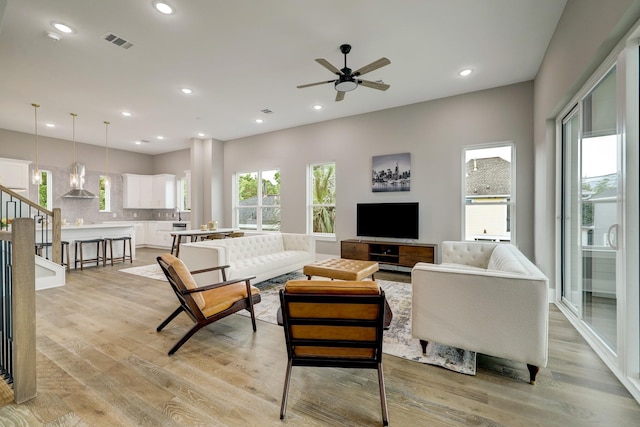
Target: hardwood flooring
101, 363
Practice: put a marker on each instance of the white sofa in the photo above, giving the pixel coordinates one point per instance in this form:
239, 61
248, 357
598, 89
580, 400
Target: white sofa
485, 297
262, 255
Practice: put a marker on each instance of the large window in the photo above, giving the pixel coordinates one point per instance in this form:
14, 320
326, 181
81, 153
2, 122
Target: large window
489, 198
105, 195
322, 199
257, 201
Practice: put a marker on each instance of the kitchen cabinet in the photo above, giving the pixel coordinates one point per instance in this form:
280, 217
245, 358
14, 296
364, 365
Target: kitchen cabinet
149, 191
14, 174
141, 233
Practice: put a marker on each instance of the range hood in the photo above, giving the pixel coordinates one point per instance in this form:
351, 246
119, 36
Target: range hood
77, 182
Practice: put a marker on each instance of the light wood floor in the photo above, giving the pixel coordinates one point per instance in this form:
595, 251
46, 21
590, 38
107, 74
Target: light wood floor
101, 363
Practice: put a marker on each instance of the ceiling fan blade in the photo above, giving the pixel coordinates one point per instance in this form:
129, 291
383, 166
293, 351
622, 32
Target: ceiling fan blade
339, 96
373, 66
326, 64
315, 84
374, 85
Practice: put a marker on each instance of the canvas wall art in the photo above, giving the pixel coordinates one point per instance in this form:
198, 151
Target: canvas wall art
391, 172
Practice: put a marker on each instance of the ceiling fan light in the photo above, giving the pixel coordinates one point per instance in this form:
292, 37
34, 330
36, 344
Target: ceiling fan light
346, 85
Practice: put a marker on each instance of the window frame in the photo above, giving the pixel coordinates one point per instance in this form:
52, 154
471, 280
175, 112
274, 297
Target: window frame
49, 185
311, 205
259, 206
107, 194
510, 202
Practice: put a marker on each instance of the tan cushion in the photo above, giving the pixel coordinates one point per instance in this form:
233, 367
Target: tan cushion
219, 299
183, 275
353, 287
213, 301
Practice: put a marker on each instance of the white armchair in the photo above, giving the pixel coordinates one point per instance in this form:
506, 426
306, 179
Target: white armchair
484, 297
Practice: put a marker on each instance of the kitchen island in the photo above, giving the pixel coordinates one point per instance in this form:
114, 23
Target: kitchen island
71, 233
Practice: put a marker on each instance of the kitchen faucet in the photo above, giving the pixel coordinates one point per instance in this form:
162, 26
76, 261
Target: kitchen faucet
177, 211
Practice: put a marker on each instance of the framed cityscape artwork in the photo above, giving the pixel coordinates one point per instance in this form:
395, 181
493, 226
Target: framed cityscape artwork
391, 173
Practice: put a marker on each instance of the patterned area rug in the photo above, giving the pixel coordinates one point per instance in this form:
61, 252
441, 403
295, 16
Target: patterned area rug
397, 339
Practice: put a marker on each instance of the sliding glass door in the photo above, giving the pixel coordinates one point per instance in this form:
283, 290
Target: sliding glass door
592, 209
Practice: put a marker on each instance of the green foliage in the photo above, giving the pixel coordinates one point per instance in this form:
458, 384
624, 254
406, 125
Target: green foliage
42, 190
324, 193
102, 194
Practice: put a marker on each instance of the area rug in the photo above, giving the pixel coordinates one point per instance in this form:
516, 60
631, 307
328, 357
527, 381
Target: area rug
397, 339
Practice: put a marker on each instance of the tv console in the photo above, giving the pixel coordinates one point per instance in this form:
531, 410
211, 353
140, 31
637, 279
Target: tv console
392, 253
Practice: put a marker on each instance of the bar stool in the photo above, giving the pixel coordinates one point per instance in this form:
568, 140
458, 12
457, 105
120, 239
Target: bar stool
65, 250
124, 257
79, 255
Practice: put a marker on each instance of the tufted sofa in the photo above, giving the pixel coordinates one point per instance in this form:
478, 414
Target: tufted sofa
485, 297
262, 255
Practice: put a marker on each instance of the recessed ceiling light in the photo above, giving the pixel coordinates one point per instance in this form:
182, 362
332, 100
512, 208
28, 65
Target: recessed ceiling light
138, 142
63, 27
200, 134
465, 72
126, 114
163, 7
53, 36
50, 125
318, 107
259, 121
186, 91
160, 137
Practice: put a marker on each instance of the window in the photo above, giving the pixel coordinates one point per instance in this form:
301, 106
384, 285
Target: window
322, 199
45, 190
183, 191
488, 197
257, 201
105, 196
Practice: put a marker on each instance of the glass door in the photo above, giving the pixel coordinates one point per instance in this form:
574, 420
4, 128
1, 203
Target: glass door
591, 210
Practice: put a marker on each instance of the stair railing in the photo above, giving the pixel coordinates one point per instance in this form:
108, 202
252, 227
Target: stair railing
18, 309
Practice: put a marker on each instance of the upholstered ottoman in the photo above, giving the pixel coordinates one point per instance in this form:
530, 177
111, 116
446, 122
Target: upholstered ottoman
341, 269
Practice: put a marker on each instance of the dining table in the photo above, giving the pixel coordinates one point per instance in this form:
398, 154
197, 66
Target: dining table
193, 235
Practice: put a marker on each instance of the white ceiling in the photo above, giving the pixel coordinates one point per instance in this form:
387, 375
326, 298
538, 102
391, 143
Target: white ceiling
240, 57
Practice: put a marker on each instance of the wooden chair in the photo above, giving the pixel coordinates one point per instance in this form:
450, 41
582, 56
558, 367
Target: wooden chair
205, 304
333, 324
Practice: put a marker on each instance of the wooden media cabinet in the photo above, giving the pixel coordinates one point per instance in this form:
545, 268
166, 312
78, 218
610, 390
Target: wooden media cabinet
402, 254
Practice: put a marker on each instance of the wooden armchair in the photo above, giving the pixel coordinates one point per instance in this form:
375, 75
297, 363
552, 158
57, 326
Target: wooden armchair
333, 324
205, 304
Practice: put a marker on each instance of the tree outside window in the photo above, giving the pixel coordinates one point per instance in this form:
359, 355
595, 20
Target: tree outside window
258, 200
323, 198
45, 190
105, 196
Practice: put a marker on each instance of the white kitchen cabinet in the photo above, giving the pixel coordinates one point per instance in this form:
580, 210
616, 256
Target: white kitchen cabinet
164, 191
149, 191
141, 232
14, 174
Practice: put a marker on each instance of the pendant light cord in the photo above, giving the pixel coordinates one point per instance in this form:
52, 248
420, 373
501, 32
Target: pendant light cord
106, 144
35, 109
73, 135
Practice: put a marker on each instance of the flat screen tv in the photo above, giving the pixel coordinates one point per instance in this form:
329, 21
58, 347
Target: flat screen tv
396, 220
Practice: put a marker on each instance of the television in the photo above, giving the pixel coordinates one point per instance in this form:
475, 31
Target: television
396, 220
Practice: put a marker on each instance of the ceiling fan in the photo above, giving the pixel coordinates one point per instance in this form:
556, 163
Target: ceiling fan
347, 79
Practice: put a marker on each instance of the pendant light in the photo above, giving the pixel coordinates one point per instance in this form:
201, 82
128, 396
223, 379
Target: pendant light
74, 177
37, 175
107, 179
76, 173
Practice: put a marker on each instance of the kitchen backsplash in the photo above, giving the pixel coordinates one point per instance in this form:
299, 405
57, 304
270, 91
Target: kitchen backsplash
89, 209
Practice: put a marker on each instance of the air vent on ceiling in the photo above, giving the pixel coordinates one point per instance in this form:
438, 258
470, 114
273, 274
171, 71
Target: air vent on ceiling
118, 41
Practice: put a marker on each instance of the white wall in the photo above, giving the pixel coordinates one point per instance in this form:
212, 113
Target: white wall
433, 132
586, 34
